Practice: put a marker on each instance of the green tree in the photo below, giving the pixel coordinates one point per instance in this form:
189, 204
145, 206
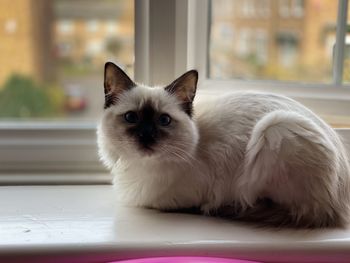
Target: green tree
21, 97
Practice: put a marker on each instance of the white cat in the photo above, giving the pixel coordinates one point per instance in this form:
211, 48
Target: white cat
248, 156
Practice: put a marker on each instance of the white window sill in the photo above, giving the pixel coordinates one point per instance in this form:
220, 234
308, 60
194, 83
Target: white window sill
85, 224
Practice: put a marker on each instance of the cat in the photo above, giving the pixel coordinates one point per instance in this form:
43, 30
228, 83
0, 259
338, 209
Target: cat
245, 155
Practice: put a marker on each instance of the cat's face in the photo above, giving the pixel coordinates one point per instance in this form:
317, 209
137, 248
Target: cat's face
144, 122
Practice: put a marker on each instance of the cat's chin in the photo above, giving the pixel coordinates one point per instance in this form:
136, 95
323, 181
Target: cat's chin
147, 152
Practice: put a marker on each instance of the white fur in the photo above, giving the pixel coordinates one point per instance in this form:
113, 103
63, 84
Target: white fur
238, 148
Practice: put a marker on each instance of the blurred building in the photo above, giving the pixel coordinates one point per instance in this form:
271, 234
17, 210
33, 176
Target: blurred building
89, 32
39, 37
268, 38
25, 38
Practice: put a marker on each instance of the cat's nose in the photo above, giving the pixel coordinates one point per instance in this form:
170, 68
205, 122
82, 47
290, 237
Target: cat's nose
147, 131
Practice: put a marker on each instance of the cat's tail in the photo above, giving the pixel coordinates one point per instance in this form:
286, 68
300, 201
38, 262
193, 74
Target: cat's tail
295, 163
264, 213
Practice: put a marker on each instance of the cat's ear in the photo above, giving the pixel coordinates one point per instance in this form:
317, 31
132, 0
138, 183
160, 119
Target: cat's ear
115, 82
184, 88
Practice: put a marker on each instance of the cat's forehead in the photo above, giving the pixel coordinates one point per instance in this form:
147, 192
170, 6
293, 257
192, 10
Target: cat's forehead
141, 97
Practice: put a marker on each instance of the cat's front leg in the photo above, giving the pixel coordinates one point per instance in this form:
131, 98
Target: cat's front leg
213, 201
207, 208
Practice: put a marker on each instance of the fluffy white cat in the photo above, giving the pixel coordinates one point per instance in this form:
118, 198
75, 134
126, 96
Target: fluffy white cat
247, 156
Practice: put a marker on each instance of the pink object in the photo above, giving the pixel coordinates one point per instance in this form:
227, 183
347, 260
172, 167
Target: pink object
184, 260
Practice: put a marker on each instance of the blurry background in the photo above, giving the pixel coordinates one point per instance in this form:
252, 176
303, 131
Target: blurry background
52, 54
287, 40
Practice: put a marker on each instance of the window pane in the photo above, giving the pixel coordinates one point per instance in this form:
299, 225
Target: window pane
53, 52
287, 40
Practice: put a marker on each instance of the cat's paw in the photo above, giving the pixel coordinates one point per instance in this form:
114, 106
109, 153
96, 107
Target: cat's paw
208, 208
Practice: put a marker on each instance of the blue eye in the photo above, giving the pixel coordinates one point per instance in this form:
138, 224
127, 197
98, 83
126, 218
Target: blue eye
164, 119
131, 117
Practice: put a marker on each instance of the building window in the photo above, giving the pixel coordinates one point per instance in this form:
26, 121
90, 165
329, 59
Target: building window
248, 8
111, 27
264, 9
243, 42
287, 49
92, 26
297, 8
10, 26
65, 26
93, 48
261, 48
284, 8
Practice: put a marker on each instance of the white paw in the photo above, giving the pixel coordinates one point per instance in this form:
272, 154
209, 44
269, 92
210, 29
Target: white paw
208, 208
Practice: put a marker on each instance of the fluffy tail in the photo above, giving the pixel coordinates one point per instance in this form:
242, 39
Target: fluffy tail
292, 162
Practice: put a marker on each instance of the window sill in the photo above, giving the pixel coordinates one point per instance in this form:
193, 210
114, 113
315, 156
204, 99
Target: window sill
85, 224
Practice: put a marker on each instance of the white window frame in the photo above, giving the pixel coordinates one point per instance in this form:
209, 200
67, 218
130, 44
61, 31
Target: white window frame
171, 36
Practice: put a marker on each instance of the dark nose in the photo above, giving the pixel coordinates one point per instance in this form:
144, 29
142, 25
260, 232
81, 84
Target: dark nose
147, 131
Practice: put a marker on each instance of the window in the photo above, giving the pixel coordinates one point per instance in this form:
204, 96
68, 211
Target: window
65, 26
93, 48
287, 50
51, 83
299, 56
234, 44
297, 8
52, 58
264, 9
248, 8
243, 47
92, 26
10, 26
261, 48
296, 49
111, 27
293, 51
284, 8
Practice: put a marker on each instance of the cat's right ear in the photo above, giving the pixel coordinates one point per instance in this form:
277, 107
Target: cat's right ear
184, 88
115, 82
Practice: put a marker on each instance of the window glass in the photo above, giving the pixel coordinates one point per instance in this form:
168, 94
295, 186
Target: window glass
53, 52
286, 40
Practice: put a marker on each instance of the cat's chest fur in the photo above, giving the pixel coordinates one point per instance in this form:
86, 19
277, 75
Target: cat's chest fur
162, 185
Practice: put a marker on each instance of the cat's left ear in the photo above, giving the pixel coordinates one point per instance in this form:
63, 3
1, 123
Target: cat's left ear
116, 81
184, 88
